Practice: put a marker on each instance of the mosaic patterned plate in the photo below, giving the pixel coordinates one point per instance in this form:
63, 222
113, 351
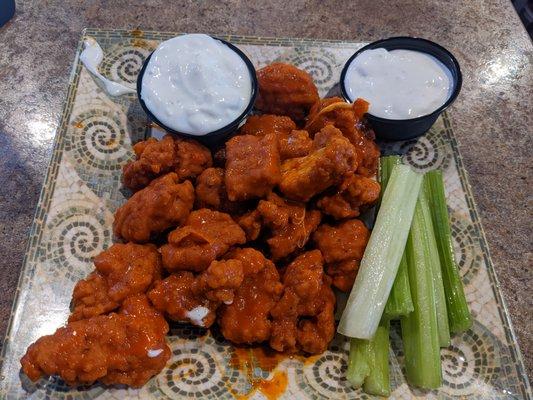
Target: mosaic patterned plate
73, 224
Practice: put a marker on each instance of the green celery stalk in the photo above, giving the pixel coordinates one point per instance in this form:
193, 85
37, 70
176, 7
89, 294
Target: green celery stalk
368, 362
438, 287
419, 329
382, 256
399, 302
458, 313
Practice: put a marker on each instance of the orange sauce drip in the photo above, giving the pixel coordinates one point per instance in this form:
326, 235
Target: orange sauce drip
145, 44
78, 124
247, 358
275, 387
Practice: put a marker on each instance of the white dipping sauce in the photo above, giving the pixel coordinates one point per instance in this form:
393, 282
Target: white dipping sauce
195, 84
399, 84
91, 56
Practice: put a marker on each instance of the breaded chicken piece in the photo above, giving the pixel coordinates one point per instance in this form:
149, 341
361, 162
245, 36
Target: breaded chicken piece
247, 319
262, 125
285, 90
291, 142
343, 274
290, 224
348, 118
184, 297
332, 160
211, 192
186, 157
153, 158
342, 246
355, 194
126, 348
163, 204
252, 166
193, 158
121, 271
205, 236
303, 319
295, 144
251, 222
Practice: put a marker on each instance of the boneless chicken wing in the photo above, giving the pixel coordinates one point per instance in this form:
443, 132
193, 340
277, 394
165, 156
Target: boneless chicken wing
121, 271
262, 125
348, 119
285, 90
252, 166
120, 348
342, 246
205, 236
163, 204
153, 158
356, 193
187, 158
247, 319
332, 160
291, 142
193, 158
295, 144
303, 319
290, 224
211, 192
184, 297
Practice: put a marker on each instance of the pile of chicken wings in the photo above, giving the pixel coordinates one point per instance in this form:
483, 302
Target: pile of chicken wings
252, 237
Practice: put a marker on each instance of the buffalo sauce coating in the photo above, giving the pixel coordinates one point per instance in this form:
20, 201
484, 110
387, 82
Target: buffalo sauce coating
304, 317
290, 223
356, 193
164, 203
184, 297
128, 348
291, 142
349, 122
205, 236
285, 90
121, 271
187, 158
332, 160
247, 319
342, 246
252, 166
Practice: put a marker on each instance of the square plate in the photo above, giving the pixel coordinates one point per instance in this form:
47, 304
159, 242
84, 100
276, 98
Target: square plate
73, 224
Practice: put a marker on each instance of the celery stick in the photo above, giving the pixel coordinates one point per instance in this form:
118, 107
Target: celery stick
419, 329
458, 313
358, 362
438, 287
386, 165
383, 253
368, 362
399, 302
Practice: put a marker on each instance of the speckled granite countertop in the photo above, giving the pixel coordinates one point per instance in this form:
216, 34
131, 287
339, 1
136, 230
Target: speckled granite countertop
492, 117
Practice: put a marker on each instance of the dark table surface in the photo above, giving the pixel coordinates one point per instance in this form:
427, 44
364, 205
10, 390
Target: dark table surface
493, 116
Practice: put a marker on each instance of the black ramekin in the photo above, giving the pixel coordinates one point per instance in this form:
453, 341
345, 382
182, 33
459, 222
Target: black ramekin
403, 129
220, 135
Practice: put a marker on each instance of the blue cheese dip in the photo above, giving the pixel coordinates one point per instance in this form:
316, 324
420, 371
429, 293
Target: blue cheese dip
195, 84
399, 84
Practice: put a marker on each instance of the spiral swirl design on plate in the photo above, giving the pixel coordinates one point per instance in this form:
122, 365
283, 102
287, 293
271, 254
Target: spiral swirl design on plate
472, 363
196, 369
122, 64
98, 140
73, 238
